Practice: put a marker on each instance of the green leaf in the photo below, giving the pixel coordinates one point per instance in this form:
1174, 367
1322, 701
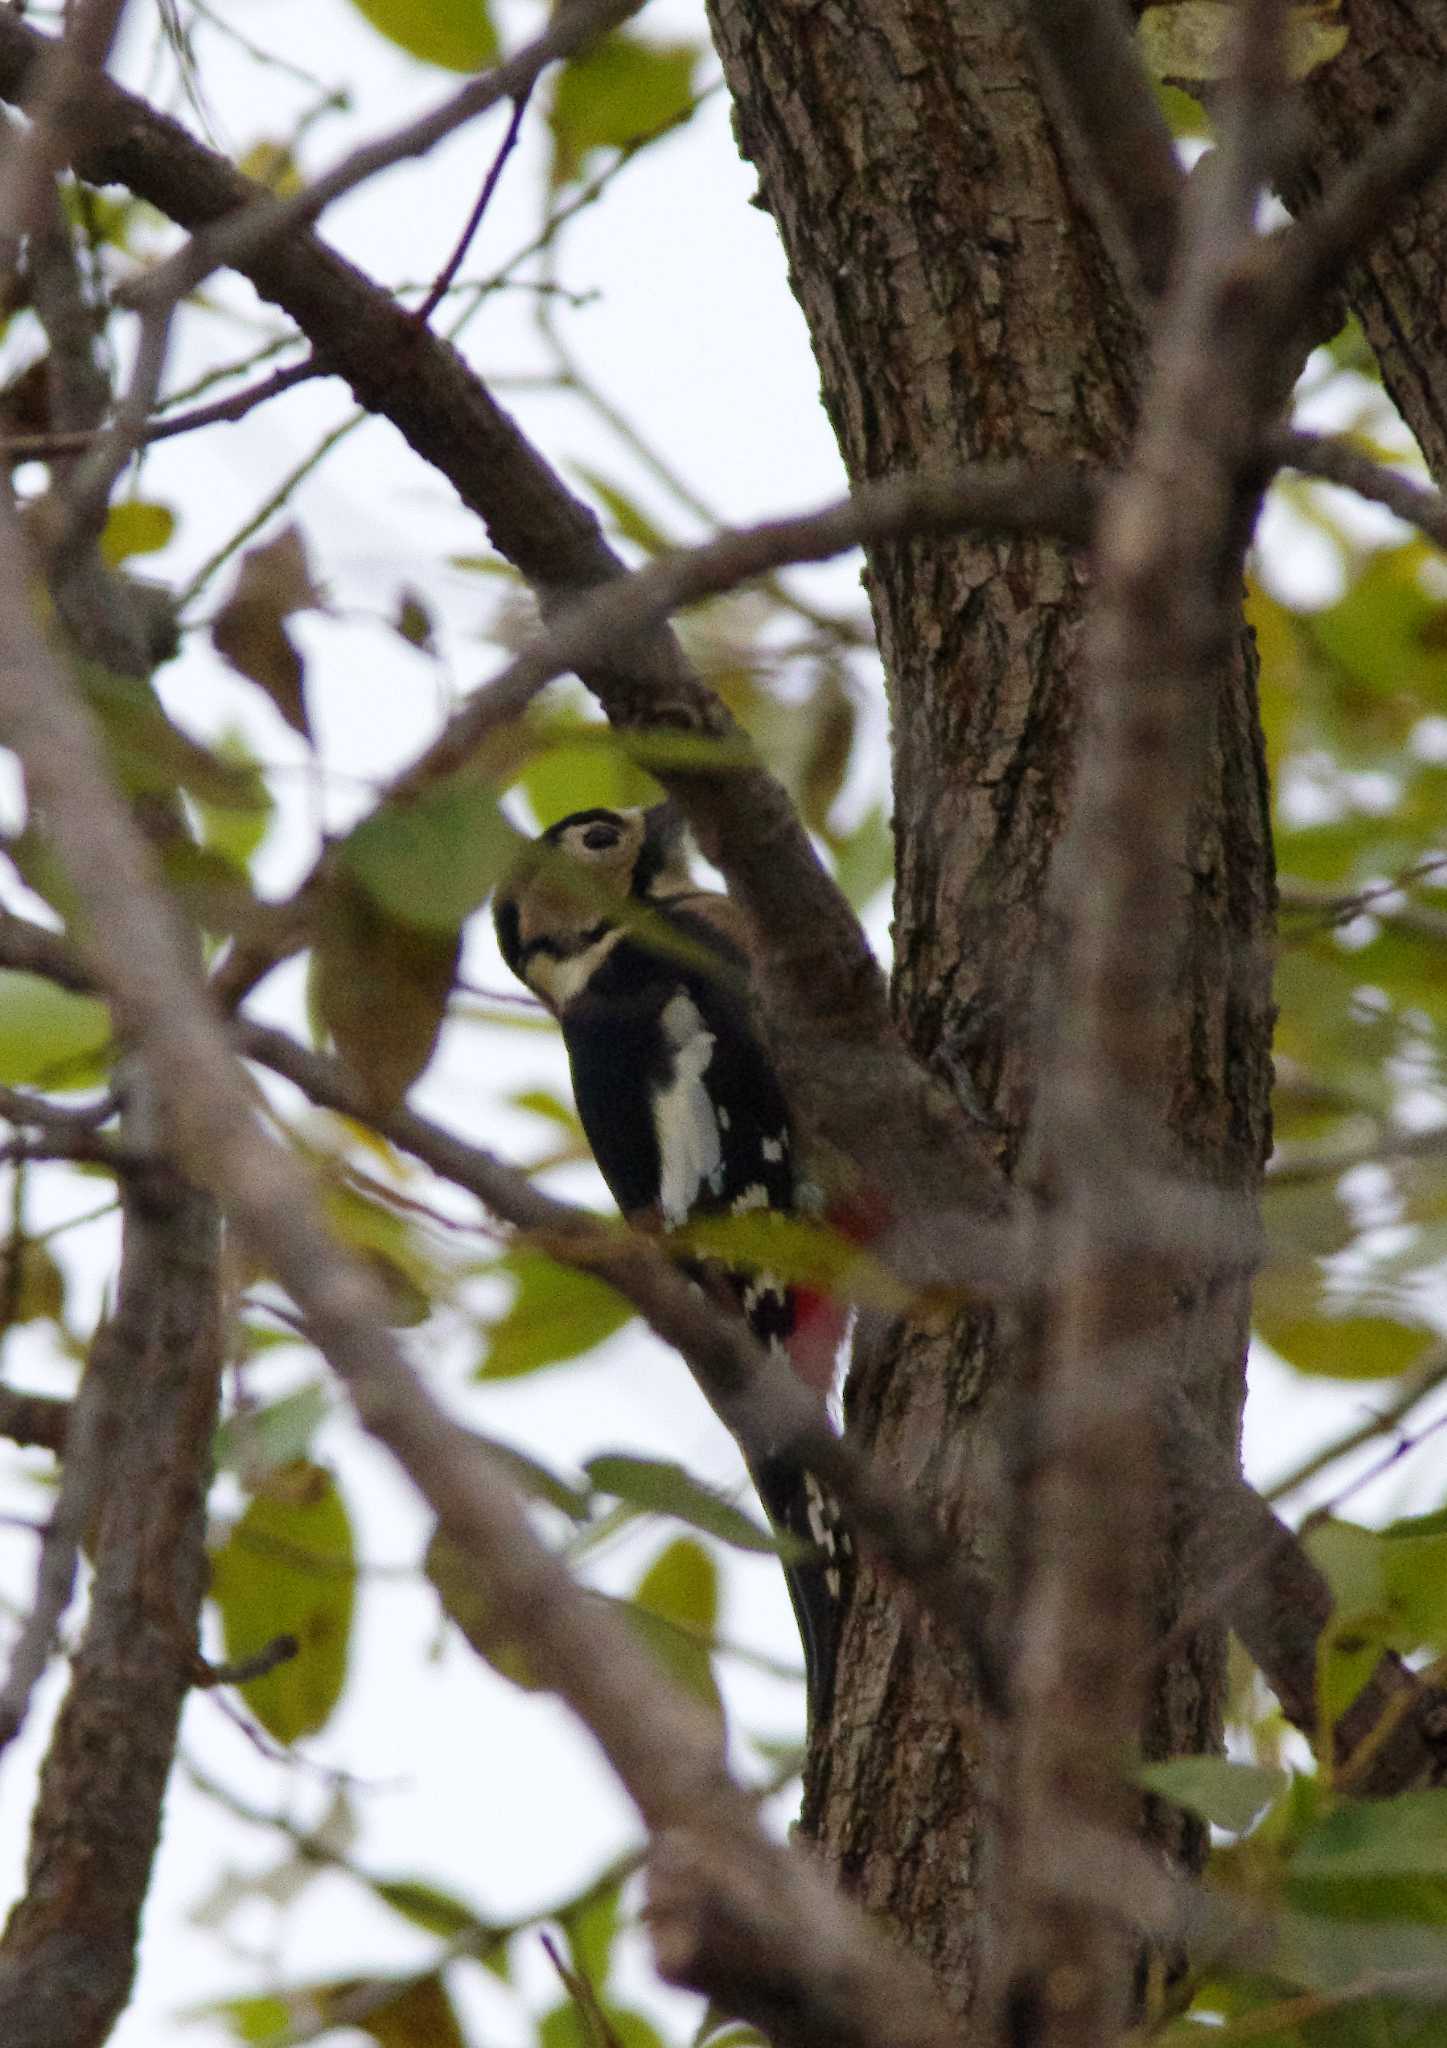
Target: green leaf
238, 827
1401, 1837
592, 1928
390, 1244
36, 1294
864, 858
381, 986
135, 527
675, 1609
413, 623
1194, 40
434, 1911
1333, 1953
536, 1480
616, 92
1386, 630
418, 2014
456, 35
566, 2027
1413, 1564
1229, 1795
799, 1252
272, 164
1347, 1347
552, 1108
213, 891
250, 2019
431, 862
465, 1601
48, 1037
556, 1314
681, 1585
1351, 1558
258, 1440
832, 722
632, 523
662, 1488
579, 764
289, 1568
148, 754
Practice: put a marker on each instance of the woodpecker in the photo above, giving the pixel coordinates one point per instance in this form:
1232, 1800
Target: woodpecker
648, 975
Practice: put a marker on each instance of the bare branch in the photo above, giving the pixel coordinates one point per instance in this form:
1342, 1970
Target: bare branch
1410, 1391
1172, 536
59, 112
17, 1106
1006, 499
1336, 461
268, 215
1313, 254
442, 283
38, 1420
141, 1427
55, 1568
280, 1650
221, 411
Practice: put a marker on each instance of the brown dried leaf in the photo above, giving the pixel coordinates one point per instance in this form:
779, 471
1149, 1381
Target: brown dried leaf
381, 987
250, 632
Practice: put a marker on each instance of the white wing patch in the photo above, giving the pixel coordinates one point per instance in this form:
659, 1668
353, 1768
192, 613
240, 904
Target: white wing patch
690, 1151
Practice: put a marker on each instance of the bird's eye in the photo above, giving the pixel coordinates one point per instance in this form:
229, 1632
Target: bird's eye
597, 837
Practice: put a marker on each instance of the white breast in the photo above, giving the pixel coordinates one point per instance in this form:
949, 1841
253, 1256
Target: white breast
689, 1144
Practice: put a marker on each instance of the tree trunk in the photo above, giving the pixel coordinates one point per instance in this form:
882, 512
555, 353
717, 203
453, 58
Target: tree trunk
961, 305
1399, 288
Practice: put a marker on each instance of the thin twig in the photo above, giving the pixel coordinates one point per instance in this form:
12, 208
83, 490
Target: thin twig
229, 241
280, 1650
40, 447
442, 284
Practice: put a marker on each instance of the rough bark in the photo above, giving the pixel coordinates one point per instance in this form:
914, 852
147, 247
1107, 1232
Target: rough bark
962, 305
68, 1953
1399, 288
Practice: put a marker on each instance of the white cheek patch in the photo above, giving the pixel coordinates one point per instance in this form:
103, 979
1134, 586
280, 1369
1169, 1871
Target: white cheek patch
558, 981
690, 1150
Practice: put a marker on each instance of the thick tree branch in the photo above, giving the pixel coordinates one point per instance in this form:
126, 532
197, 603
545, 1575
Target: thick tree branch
1096, 77
34, 1420
1171, 540
1312, 255
137, 1450
1336, 461
147, 1409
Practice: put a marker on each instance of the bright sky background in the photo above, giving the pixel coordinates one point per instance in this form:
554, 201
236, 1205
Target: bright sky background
695, 335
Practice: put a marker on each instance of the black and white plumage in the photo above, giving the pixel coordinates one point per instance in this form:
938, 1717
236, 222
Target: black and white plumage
648, 976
